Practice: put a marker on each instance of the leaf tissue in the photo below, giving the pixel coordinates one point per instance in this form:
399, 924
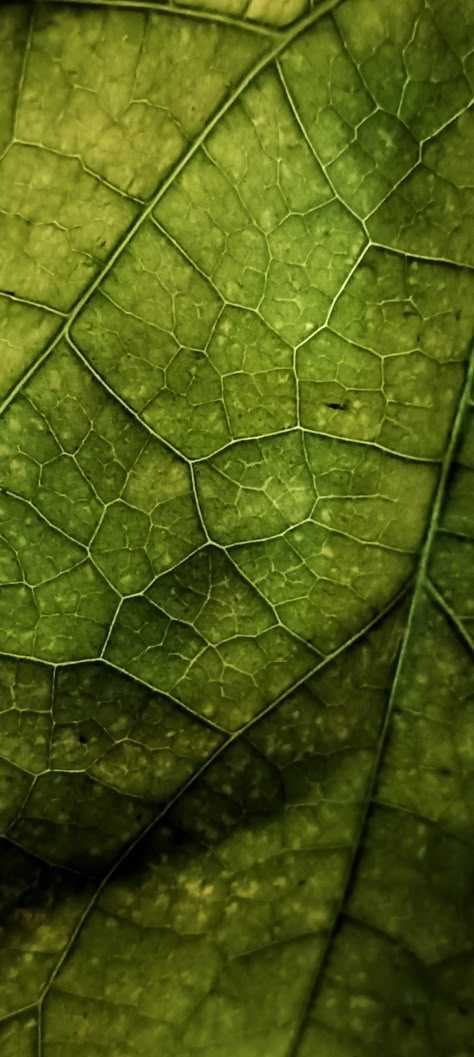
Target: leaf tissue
236, 528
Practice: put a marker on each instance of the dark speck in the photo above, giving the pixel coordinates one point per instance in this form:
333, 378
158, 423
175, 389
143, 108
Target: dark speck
337, 407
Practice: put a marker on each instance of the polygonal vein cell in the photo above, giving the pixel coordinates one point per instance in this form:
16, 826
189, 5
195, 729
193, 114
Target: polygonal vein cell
326, 531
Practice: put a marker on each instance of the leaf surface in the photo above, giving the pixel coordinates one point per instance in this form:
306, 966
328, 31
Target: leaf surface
236, 529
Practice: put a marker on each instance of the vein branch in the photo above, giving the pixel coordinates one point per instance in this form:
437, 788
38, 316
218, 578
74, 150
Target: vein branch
146, 211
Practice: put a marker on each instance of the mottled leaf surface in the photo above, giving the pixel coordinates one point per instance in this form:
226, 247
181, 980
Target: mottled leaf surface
236, 529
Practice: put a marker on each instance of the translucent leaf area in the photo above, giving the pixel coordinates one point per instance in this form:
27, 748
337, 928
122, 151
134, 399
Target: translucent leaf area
236, 529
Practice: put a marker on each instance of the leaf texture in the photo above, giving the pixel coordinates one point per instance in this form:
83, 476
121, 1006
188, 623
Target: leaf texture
236, 529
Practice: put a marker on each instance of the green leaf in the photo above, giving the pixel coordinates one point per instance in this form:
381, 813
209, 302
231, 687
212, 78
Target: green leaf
236, 529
